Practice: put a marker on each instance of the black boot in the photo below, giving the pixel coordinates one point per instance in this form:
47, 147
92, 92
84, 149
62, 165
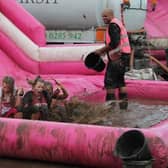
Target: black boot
110, 99
124, 101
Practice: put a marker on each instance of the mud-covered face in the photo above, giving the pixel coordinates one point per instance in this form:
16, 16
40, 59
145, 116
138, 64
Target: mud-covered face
49, 89
6, 87
39, 87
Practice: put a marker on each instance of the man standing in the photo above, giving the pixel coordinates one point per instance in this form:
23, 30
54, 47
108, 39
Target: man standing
118, 50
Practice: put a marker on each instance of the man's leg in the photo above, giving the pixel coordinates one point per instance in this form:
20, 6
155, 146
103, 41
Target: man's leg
123, 104
110, 98
110, 83
110, 95
123, 96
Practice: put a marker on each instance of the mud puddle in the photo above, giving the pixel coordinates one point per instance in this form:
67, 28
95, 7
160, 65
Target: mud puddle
140, 114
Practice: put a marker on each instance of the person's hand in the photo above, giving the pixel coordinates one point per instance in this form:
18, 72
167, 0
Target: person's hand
60, 86
98, 52
20, 92
56, 93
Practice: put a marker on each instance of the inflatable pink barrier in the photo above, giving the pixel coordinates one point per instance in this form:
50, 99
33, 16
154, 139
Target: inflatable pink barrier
77, 144
148, 89
137, 89
17, 55
154, 20
35, 67
24, 21
66, 67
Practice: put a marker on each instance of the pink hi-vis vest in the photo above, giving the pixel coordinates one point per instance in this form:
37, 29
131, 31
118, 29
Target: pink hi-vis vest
124, 41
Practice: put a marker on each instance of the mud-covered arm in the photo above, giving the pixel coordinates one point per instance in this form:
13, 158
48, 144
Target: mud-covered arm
64, 93
60, 93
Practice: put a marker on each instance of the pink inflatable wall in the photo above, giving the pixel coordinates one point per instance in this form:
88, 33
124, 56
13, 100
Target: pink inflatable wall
155, 19
24, 21
87, 145
148, 89
66, 67
17, 55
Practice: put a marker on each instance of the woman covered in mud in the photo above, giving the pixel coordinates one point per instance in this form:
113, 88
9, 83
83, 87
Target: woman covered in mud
35, 102
57, 97
73, 110
10, 100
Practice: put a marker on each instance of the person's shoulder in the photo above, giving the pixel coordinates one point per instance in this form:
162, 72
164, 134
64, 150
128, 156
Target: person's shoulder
113, 26
114, 29
28, 93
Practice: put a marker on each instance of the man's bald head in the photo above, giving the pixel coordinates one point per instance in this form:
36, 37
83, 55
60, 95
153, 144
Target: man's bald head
107, 15
108, 12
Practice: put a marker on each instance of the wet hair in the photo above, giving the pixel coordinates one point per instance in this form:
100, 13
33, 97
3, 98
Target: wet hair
10, 81
38, 80
35, 81
47, 83
47, 86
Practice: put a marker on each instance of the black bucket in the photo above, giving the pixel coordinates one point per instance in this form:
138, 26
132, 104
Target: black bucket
138, 164
132, 145
94, 61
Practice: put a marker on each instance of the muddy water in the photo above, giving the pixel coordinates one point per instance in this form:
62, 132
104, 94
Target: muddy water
140, 114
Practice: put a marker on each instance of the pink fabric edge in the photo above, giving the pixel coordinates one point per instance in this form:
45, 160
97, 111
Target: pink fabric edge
24, 21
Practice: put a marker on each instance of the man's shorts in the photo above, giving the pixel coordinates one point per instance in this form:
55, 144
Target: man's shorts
114, 76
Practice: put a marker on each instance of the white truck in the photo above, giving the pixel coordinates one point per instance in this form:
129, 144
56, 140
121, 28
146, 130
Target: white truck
78, 21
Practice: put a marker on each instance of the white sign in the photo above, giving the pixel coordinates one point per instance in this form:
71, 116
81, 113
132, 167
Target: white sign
70, 36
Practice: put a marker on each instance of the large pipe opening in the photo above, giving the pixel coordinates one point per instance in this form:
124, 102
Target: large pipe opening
132, 148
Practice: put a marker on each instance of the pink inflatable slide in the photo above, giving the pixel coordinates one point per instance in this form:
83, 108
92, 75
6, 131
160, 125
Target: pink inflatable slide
68, 143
